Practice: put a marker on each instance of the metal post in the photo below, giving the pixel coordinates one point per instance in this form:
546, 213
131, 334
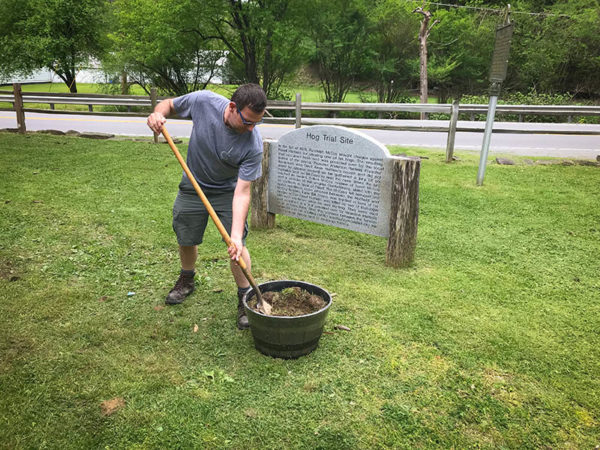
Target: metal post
298, 110
487, 136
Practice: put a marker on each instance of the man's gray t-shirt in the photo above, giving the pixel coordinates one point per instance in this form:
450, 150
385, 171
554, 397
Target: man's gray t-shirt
217, 155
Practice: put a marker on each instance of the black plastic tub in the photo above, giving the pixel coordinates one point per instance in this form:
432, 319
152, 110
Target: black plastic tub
285, 336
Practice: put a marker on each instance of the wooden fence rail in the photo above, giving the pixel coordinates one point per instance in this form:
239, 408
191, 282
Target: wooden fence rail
295, 109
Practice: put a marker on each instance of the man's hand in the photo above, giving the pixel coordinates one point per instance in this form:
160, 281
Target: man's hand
235, 249
155, 121
158, 118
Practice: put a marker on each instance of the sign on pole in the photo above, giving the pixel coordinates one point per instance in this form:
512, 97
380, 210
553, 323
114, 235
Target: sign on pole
497, 76
501, 52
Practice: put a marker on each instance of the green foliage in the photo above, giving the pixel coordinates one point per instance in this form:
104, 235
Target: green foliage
60, 35
165, 50
460, 49
558, 53
530, 98
392, 36
265, 40
340, 32
490, 339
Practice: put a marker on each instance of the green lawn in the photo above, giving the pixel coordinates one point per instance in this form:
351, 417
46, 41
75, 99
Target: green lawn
489, 340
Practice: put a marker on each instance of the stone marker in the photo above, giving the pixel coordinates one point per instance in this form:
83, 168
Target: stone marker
340, 177
331, 175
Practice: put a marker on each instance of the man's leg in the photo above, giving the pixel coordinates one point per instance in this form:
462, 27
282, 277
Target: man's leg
243, 285
185, 284
238, 275
188, 256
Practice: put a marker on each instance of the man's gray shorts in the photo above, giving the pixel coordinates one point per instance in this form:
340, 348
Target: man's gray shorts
190, 216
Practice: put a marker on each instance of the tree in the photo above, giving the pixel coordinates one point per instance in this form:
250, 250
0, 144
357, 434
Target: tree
60, 35
162, 50
461, 52
392, 40
558, 52
340, 34
424, 31
264, 39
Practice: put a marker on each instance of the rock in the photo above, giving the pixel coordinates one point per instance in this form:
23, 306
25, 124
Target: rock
96, 135
10, 130
529, 162
72, 133
566, 162
54, 132
505, 162
546, 162
585, 162
162, 140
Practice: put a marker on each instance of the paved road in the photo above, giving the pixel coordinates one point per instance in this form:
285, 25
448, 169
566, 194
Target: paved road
555, 144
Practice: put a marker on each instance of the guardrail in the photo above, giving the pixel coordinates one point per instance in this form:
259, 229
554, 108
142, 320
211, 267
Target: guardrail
146, 101
19, 99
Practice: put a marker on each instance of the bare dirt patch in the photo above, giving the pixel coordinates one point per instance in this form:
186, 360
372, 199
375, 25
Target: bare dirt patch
111, 406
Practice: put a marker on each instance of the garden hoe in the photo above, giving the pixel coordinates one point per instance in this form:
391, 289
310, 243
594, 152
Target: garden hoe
264, 307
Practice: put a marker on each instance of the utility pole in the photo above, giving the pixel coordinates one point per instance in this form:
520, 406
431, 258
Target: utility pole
423, 35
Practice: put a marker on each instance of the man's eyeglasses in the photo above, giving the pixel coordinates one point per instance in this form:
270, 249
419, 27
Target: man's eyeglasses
247, 122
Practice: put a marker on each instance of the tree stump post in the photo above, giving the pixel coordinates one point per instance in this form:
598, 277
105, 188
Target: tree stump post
259, 216
18, 105
404, 213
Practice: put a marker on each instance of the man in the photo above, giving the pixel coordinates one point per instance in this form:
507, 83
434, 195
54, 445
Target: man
225, 156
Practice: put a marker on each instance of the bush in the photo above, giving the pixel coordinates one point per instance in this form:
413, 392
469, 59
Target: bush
530, 98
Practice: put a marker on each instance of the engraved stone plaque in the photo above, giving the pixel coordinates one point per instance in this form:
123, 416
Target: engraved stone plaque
331, 175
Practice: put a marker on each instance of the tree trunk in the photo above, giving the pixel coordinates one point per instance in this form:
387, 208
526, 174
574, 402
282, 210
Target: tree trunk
423, 64
124, 85
424, 31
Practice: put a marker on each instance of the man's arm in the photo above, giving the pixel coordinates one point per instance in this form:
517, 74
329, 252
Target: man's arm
241, 203
159, 117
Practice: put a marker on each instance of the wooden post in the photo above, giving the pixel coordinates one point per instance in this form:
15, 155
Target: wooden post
404, 214
259, 216
298, 110
452, 132
18, 105
153, 103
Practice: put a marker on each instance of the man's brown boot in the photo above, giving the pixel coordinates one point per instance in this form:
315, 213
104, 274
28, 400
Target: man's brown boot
242, 319
183, 287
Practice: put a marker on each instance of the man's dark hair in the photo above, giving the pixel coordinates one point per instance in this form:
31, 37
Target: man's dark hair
250, 95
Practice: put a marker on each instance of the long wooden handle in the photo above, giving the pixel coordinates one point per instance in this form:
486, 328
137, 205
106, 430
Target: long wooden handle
211, 211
